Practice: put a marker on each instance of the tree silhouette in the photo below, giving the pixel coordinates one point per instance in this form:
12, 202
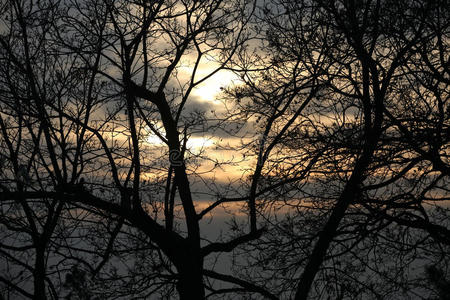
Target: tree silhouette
84, 84
339, 123
351, 141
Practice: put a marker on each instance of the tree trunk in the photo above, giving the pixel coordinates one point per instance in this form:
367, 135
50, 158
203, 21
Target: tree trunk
326, 237
190, 283
39, 275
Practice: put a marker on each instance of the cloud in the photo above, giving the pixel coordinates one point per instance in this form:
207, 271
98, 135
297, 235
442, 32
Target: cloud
196, 104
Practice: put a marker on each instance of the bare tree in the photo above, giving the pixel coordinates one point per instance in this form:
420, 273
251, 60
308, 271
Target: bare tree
352, 146
341, 111
85, 84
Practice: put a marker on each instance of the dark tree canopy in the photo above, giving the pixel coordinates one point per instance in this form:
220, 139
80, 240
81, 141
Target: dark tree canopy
319, 171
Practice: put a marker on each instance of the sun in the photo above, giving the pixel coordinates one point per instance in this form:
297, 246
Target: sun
212, 87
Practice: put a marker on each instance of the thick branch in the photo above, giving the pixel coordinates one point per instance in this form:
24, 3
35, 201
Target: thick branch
246, 285
230, 245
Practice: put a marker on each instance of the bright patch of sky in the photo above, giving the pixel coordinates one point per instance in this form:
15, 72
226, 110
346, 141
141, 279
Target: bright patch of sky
193, 143
211, 88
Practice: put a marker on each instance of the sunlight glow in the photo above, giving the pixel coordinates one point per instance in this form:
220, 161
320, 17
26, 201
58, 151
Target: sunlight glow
193, 143
199, 142
209, 89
